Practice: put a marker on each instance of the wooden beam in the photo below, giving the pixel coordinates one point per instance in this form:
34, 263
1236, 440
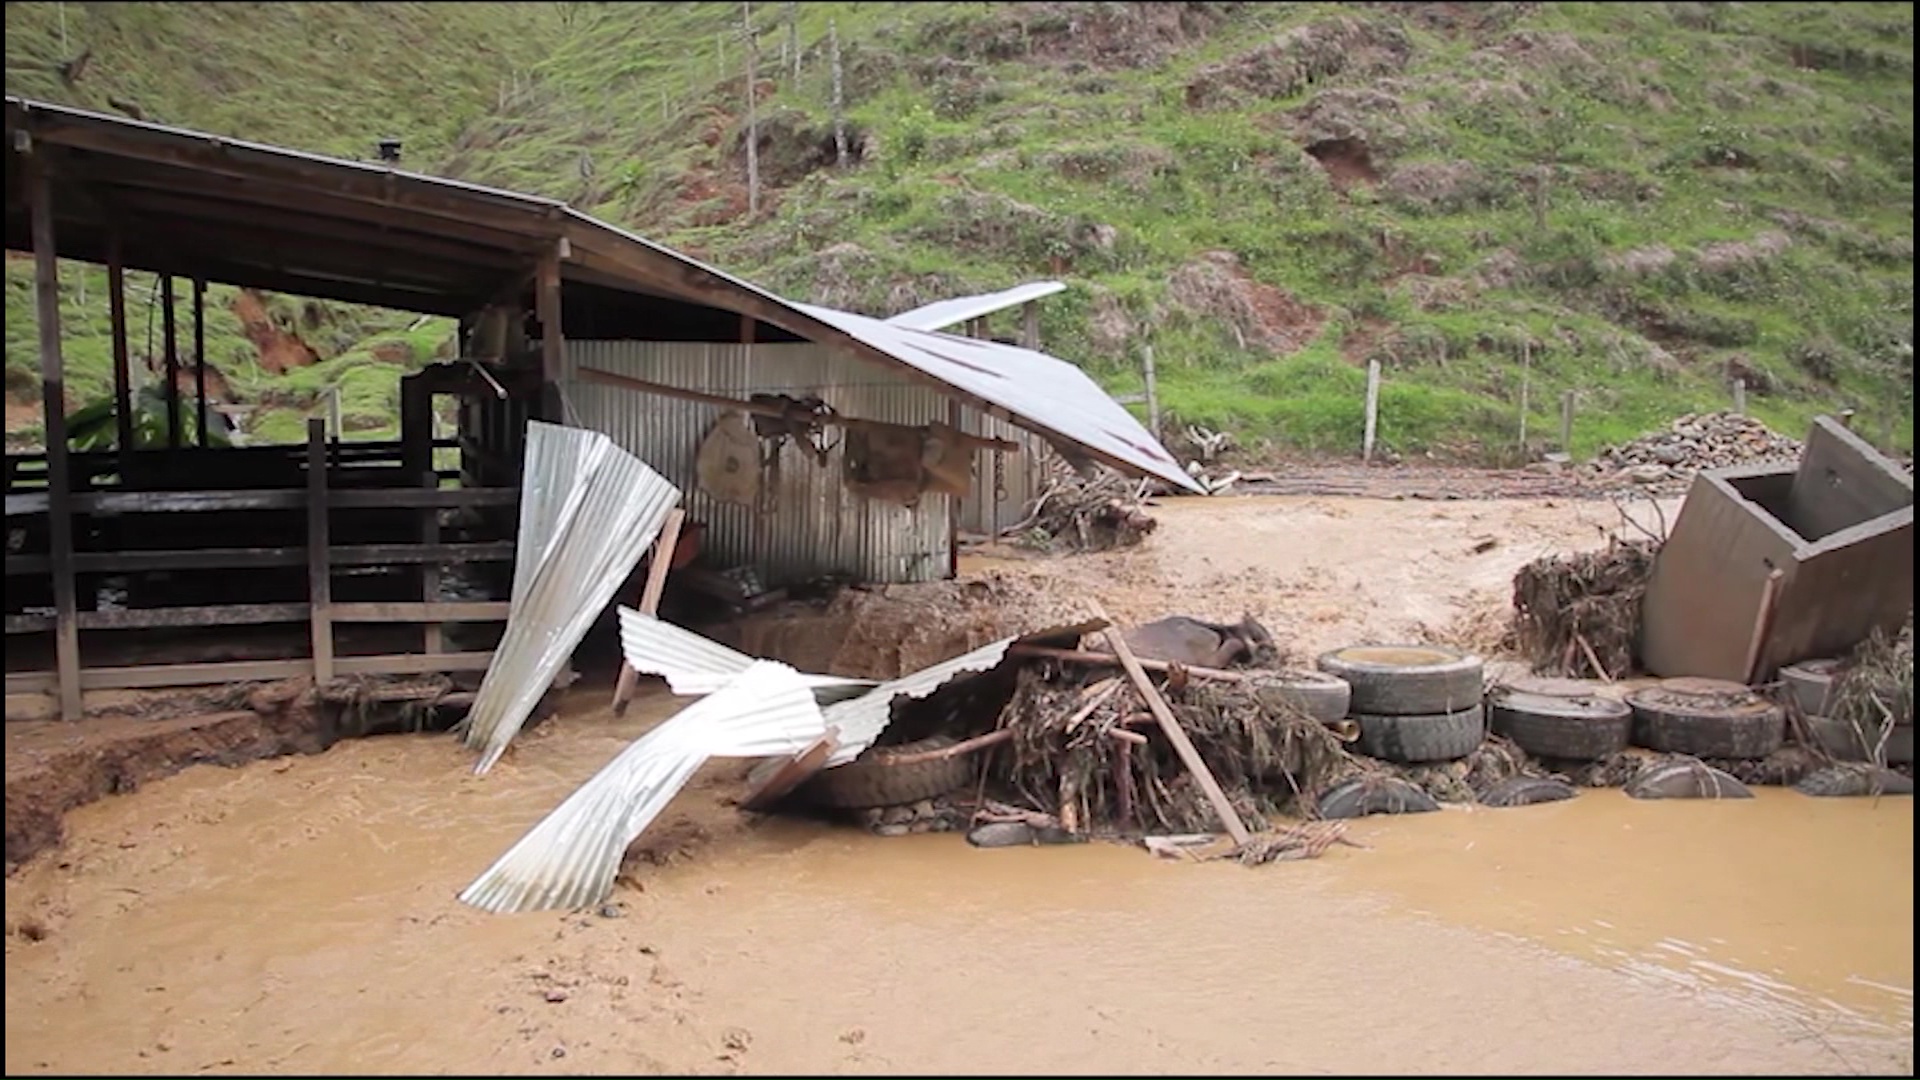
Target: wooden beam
171, 347
234, 671
1182, 745
122, 372
53, 402
426, 611
553, 349
1030, 325
650, 594
319, 572
200, 360
1100, 659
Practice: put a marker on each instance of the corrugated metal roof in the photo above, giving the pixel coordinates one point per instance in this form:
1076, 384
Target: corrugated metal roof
1050, 394
944, 313
569, 859
693, 664
590, 510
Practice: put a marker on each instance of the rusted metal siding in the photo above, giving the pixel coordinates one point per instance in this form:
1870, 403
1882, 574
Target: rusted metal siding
1021, 475
817, 526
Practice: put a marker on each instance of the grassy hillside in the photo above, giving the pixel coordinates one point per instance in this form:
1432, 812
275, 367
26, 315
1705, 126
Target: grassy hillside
1632, 202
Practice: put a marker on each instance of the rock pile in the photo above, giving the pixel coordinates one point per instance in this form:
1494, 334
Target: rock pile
1666, 460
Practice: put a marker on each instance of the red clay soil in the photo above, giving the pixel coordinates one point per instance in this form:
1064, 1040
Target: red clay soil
54, 766
279, 350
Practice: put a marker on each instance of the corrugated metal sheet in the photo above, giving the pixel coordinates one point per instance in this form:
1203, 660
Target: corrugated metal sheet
570, 858
944, 313
1021, 475
817, 526
1049, 394
589, 510
693, 664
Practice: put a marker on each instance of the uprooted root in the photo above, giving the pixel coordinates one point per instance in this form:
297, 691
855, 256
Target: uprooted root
1305, 840
1090, 513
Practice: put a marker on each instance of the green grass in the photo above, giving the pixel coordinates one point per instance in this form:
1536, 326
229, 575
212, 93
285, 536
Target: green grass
1647, 193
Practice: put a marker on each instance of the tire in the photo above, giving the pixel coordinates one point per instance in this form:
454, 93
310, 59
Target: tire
1810, 685
1844, 741
1554, 686
1366, 795
1407, 680
1686, 780
873, 780
1854, 781
1569, 728
1413, 739
1703, 718
1526, 791
1323, 697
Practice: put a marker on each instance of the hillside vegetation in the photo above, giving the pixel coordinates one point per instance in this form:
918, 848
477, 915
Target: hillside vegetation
1636, 203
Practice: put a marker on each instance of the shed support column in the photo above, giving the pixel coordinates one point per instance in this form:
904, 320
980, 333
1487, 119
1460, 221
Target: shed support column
172, 345
53, 394
319, 563
953, 502
200, 361
122, 376
553, 346
1030, 324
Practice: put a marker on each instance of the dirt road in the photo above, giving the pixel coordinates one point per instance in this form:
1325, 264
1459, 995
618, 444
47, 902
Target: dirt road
298, 915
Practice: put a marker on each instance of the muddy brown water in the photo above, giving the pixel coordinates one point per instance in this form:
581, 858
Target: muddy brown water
299, 916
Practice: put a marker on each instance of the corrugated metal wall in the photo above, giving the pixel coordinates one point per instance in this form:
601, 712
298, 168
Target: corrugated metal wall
817, 526
1021, 475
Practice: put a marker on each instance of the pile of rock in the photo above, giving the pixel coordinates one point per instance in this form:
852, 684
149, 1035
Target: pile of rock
1666, 460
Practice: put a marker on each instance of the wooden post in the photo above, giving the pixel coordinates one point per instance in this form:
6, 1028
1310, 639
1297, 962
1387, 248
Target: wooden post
839, 101
200, 360
793, 41
1030, 324
1153, 391
1526, 377
122, 375
746, 329
319, 564
553, 355
1373, 410
1740, 397
953, 503
1176, 735
1566, 422
172, 346
53, 402
753, 124
663, 546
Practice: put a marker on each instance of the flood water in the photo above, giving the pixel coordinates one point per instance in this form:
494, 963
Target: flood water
298, 916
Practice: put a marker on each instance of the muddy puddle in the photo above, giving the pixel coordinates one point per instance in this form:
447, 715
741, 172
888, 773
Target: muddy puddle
298, 916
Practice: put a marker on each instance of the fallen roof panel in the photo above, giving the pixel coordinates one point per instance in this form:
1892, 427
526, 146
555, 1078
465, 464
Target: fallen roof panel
944, 313
693, 664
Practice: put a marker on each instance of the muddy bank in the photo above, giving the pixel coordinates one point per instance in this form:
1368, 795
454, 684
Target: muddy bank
265, 899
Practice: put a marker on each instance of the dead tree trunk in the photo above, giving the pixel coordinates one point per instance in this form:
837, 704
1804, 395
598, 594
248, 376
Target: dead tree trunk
839, 100
753, 126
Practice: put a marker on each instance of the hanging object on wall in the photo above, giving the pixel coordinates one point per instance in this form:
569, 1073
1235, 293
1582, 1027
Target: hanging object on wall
883, 461
728, 463
947, 458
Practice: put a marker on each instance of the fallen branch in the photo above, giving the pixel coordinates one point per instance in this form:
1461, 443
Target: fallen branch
1100, 659
978, 742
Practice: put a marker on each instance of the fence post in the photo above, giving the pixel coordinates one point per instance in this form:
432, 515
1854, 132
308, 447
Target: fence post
319, 565
1153, 392
1526, 380
1373, 409
1566, 422
1740, 397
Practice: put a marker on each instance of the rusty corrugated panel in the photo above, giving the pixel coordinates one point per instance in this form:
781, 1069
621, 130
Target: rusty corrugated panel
589, 510
816, 526
570, 858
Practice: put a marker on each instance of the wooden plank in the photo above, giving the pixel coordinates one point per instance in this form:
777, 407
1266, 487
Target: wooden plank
428, 611
413, 554
94, 562
170, 345
53, 400
122, 372
27, 502
1100, 659
650, 594
213, 615
148, 676
413, 663
1176, 735
200, 360
553, 350
319, 572
777, 779
174, 502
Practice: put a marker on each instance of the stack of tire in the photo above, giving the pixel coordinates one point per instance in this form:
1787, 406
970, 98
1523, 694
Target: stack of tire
1812, 686
1414, 703
1706, 718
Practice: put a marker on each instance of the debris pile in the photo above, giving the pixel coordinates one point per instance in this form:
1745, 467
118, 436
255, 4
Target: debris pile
1078, 512
1666, 460
1579, 615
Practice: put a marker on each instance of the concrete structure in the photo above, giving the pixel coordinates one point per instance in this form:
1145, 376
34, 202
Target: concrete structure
1769, 566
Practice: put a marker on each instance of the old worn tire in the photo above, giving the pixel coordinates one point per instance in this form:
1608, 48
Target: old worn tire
872, 780
1323, 697
1526, 791
1407, 680
1572, 728
1810, 685
1705, 719
1845, 741
1413, 739
1686, 780
1365, 795
1854, 781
